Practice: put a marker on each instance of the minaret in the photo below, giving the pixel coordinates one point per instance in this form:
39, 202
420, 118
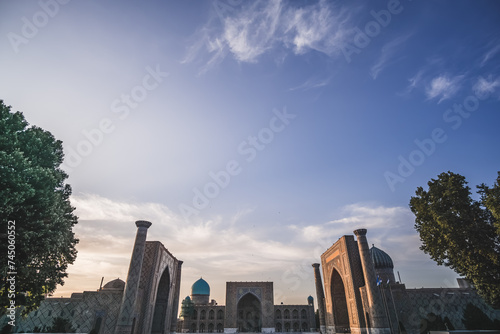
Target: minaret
321, 298
127, 317
377, 314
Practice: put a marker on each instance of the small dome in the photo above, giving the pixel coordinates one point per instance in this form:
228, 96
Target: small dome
310, 299
380, 258
200, 287
116, 284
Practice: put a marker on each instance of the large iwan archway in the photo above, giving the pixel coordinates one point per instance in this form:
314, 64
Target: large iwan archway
160, 310
339, 303
249, 312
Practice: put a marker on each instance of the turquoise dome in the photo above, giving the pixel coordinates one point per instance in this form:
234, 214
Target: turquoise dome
310, 299
380, 258
200, 287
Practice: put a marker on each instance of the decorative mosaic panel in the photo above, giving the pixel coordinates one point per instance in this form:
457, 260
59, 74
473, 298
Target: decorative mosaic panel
253, 290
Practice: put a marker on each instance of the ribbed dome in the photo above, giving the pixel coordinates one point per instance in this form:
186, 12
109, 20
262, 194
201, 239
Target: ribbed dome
116, 284
380, 258
200, 287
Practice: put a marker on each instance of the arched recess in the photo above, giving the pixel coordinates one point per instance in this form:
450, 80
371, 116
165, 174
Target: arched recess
305, 327
279, 327
160, 310
249, 312
339, 303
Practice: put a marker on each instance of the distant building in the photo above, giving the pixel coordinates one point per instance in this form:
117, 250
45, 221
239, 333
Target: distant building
249, 308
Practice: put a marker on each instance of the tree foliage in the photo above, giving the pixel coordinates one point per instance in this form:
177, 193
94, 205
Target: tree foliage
59, 325
33, 194
475, 318
460, 232
432, 322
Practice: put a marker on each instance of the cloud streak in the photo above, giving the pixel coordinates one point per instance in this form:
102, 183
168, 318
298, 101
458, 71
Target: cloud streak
443, 87
488, 55
386, 54
485, 87
262, 26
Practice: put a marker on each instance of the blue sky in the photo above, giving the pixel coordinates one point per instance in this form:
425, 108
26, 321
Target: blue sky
254, 135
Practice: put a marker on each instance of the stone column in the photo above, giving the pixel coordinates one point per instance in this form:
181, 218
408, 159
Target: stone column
321, 298
126, 320
176, 290
378, 318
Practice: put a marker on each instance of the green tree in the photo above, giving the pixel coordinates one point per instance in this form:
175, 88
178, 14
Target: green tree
448, 323
61, 325
475, 318
490, 198
6, 329
34, 202
187, 308
432, 323
460, 232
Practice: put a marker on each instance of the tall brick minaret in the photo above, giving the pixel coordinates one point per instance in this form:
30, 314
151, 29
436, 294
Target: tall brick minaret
377, 315
127, 316
321, 298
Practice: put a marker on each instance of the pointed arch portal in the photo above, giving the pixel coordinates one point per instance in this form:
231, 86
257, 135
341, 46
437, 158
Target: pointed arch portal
160, 310
249, 312
339, 305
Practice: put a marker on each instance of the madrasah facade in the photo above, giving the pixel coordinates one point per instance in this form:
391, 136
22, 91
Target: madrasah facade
355, 288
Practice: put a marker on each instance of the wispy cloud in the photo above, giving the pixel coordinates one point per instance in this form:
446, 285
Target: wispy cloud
376, 218
386, 54
312, 83
490, 53
443, 87
319, 27
251, 33
414, 81
486, 87
261, 26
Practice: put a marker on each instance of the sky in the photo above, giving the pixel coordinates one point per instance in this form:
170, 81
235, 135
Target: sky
253, 135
